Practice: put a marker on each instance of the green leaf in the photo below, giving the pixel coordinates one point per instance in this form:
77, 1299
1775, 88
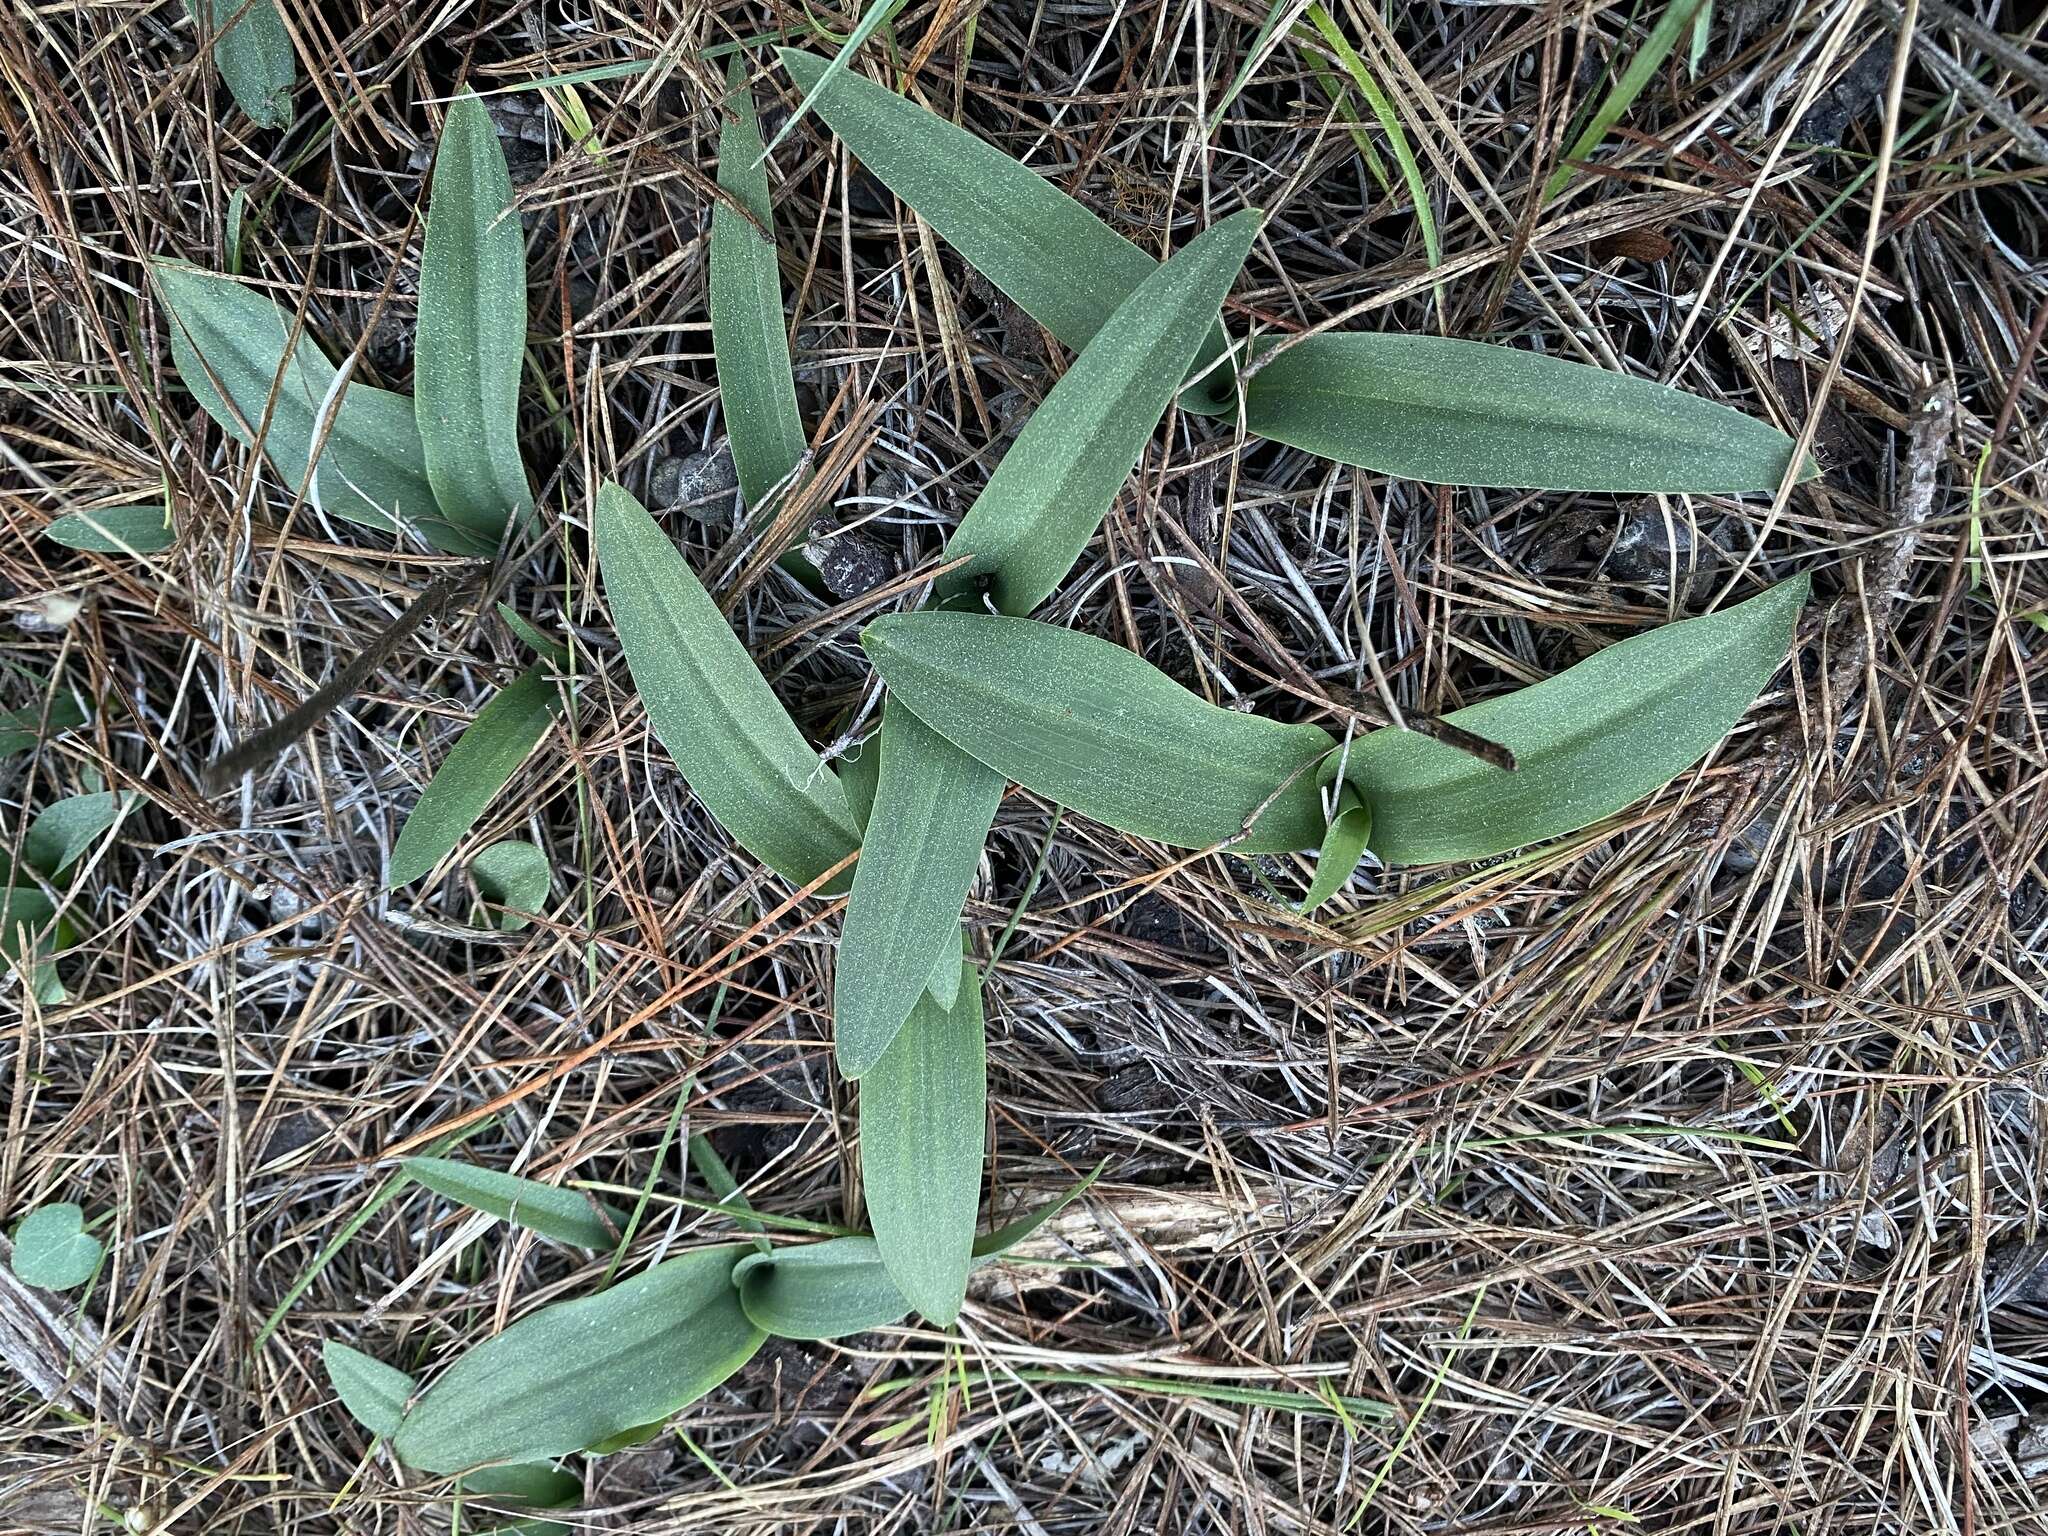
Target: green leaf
52, 1249
21, 729
1676, 20
1089, 725
63, 831
514, 875
254, 56
923, 1131
527, 1484
944, 983
626, 1439
860, 769
375, 1393
1043, 503
1343, 846
933, 807
580, 1372
472, 329
1462, 413
566, 1215
710, 706
26, 911
115, 530
1596, 738
749, 335
479, 765
372, 469
1070, 271
1059, 263
821, 1290
534, 638
831, 1289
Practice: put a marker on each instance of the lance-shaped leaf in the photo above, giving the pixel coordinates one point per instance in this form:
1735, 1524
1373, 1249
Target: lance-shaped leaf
710, 706
114, 530
1344, 845
253, 54
566, 1215
932, 810
1069, 271
1044, 501
1057, 261
373, 1392
525, 1485
1091, 726
1598, 737
821, 1290
63, 831
923, 1130
472, 329
749, 336
372, 469
480, 764
1462, 413
580, 1372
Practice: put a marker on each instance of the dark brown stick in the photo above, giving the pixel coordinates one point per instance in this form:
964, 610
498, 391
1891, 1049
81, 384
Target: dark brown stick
258, 748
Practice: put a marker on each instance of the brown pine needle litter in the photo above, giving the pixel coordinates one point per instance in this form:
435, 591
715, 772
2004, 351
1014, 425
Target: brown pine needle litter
1681, 1174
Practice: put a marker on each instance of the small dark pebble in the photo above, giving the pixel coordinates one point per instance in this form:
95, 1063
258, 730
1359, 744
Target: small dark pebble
522, 126
1848, 99
1152, 919
1648, 547
850, 564
699, 485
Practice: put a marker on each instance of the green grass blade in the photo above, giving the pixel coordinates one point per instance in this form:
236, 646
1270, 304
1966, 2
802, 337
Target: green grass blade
514, 875
749, 335
1596, 738
1058, 262
923, 1132
1049, 493
1343, 846
993, 1245
566, 1215
374, 1393
472, 329
878, 13
580, 1372
1397, 136
63, 831
933, 807
485, 756
1676, 21
709, 705
1091, 726
372, 469
115, 530
254, 56
1463, 413
821, 1290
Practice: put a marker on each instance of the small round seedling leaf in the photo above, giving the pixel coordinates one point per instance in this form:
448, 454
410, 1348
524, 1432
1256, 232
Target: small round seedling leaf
52, 1249
513, 875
